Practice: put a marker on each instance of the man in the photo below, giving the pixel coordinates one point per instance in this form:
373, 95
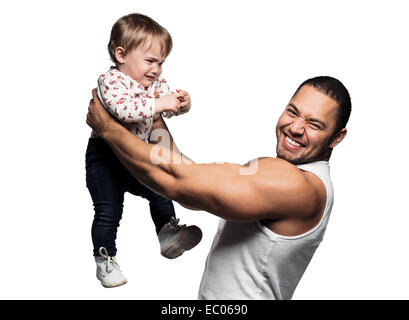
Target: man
274, 216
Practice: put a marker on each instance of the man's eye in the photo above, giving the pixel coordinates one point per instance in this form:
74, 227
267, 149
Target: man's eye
315, 126
292, 112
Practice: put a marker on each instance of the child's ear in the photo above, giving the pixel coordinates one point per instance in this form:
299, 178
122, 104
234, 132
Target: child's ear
120, 54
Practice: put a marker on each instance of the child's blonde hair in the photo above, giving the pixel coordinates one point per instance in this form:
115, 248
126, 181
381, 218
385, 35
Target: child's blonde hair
132, 30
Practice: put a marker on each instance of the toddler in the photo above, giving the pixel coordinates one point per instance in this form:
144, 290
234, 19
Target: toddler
135, 93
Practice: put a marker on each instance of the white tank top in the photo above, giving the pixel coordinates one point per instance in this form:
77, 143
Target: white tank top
249, 261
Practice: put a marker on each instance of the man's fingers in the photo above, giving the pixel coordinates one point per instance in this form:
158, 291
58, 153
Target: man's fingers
94, 94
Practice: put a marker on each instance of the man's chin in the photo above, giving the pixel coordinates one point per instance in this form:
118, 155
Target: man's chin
294, 159
301, 158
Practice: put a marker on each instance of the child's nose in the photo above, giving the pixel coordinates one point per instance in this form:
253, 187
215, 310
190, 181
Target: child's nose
156, 69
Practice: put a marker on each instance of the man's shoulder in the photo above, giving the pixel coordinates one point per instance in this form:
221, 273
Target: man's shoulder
300, 194
275, 174
268, 164
291, 176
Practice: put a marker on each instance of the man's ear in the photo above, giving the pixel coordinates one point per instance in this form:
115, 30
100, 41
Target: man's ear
338, 138
120, 54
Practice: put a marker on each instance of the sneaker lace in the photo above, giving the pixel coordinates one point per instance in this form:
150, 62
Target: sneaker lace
111, 263
175, 223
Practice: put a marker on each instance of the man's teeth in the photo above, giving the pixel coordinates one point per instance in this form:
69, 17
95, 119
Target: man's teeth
292, 142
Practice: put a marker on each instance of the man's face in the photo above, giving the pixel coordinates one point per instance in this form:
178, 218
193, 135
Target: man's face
305, 130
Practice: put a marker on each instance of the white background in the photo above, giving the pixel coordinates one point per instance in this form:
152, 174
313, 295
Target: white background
241, 61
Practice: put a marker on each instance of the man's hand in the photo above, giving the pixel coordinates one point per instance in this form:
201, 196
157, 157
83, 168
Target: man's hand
98, 118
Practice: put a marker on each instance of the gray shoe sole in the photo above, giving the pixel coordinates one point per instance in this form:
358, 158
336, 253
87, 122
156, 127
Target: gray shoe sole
189, 238
114, 285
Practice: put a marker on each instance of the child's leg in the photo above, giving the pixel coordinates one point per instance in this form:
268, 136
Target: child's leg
105, 184
161, 208
174, 239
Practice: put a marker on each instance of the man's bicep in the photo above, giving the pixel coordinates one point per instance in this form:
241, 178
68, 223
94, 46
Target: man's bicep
274, 191
221, 190
242, 200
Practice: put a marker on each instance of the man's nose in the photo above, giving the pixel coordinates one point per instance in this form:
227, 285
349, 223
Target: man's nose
297, 127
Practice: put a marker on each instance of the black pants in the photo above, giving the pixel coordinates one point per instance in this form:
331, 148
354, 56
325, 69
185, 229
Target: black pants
107, 182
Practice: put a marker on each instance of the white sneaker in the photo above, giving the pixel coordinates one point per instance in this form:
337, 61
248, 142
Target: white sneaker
175, 239
108, 271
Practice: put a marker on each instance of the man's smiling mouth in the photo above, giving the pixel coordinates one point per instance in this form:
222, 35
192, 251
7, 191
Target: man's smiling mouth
292, 144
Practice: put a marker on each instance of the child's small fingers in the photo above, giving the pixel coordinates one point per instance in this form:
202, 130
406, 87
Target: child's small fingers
182, 92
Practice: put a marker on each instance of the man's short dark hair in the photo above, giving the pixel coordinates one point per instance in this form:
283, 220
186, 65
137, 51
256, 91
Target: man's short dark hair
336, 90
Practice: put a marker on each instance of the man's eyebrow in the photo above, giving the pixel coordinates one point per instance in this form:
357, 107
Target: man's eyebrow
308, 119
293, 106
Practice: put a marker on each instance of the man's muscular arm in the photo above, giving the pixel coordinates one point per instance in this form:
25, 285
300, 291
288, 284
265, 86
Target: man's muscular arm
277, 190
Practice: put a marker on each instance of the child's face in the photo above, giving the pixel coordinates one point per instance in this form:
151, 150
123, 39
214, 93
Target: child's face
144, 64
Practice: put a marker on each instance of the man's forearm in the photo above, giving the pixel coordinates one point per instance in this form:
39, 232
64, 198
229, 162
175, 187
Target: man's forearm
149, 163
166, 171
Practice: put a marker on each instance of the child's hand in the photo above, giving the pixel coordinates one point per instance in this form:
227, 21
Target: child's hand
170, 102
185, 102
